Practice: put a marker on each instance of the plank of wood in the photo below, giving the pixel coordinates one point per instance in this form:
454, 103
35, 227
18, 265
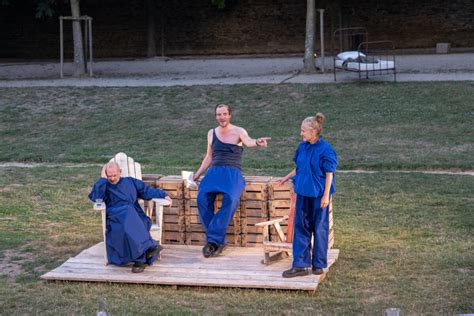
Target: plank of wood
150, 279
185, 265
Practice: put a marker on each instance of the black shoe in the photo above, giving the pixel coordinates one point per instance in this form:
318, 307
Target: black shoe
153, 251
317, 271
294, 272
218, 250
138, 267
208, 249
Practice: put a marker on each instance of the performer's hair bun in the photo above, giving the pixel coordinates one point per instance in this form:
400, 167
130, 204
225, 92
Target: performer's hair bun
319, 117
315, 122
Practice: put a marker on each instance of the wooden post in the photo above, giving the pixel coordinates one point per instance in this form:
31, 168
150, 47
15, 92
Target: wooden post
87, 39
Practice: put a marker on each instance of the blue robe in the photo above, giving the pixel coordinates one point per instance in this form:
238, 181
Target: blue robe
313, 161
127, 226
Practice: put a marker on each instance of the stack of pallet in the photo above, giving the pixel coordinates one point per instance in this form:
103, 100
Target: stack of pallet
174, 225
262, 199
254, 209
279, 203
195, 234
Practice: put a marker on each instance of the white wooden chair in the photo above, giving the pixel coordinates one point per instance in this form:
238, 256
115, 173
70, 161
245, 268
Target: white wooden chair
282, 247
130, 168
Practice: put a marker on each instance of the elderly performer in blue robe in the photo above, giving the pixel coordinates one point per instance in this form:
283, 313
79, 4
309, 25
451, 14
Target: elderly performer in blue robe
313, 178
128, 236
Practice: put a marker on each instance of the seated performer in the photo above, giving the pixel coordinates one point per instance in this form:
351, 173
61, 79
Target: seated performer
224, 156
128, 236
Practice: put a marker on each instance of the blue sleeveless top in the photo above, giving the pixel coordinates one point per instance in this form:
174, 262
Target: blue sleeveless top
224, 154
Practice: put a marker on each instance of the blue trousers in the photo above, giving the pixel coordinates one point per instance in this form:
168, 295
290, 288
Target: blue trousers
229, 182
310, 221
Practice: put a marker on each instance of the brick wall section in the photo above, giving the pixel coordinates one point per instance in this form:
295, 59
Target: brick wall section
415, 24
243, 27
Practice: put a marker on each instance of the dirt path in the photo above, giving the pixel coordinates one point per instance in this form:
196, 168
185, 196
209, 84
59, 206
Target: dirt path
226, 71
84, 165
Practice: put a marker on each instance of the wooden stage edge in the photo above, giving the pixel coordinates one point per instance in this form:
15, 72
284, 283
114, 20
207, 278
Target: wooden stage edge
184, 265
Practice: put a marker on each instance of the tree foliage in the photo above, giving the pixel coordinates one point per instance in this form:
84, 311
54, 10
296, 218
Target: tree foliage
219, 3
45, 9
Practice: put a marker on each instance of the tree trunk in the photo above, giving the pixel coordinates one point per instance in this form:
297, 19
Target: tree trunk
78, 64
309, 41
151, 33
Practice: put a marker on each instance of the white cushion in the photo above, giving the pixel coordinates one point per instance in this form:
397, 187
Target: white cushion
350, 54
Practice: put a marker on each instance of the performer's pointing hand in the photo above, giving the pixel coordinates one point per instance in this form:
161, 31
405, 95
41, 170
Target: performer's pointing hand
262, 141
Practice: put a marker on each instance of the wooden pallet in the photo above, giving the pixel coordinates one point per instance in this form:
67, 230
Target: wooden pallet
174, 224
252, 212
239, 267
150, 179
262, 199
279, 196
254, 209
173, 185
195, 232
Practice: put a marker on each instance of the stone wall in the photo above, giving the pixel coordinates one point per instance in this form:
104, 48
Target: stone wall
243, 27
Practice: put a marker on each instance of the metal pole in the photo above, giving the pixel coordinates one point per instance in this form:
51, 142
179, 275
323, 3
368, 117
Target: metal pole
321, 30
90, 46
309, 38
85, 42
61, 52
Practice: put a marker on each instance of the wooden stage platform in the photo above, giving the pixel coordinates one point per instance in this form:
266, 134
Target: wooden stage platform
184, 265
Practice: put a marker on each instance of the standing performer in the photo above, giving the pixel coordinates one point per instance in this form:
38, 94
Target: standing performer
224, 157
128, 236
314, 185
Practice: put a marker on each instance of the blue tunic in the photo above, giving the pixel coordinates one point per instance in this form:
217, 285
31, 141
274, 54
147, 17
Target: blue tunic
127, 226
312, 162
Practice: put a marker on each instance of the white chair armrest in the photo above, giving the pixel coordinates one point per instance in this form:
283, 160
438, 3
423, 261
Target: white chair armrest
163, 202
273, 221
99, 206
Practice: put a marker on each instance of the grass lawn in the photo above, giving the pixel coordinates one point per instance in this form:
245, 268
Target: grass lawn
376, 125
406, 240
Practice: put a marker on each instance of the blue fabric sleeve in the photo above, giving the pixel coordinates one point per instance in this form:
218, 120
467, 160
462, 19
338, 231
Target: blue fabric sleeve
146, 192
330, 161
98, 190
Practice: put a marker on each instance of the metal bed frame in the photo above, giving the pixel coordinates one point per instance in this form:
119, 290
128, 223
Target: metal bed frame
356, 39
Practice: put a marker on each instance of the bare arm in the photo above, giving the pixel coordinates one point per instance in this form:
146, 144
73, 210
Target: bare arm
206, 162
251, 142
327, 187
287, 177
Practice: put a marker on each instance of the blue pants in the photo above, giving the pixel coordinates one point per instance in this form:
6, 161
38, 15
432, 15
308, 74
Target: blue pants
229, 182
310, 220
